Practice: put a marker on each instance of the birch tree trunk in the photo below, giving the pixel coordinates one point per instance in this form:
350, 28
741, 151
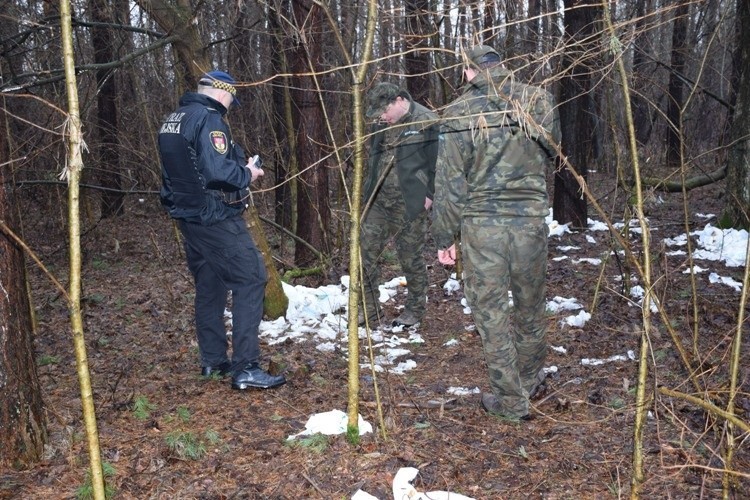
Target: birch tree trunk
73, 175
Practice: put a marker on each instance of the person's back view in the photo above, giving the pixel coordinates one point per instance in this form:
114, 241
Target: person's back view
497, 142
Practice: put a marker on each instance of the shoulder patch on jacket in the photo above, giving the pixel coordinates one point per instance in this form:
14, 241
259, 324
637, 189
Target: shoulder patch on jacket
219, 141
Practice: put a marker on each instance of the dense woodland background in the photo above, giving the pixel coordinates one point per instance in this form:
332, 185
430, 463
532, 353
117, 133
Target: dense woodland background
295, 59
683, 89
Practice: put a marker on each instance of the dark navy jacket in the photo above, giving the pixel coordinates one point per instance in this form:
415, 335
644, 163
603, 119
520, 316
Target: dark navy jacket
204, 178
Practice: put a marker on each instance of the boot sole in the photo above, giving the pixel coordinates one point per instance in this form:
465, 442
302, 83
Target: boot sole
245, 386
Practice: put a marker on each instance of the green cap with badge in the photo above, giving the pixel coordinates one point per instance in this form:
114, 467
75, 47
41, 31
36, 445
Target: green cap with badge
483, 56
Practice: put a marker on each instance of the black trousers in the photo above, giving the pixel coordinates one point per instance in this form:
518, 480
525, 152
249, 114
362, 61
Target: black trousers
222, 257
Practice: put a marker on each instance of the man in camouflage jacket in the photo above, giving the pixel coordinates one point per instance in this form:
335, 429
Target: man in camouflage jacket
398, 193
497, 141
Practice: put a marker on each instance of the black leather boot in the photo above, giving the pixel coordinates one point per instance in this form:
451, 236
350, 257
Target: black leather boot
221, 370
255, 377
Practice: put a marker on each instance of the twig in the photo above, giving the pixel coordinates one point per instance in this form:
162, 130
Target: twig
309, 480
8, 231
715, 410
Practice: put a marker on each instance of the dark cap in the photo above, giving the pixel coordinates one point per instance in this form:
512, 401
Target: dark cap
220, 80
482, 56
380, 96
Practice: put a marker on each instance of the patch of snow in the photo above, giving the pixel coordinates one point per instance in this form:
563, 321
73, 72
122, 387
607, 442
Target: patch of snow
402, 488
588, 260
695, 269
562, 304
462, 391
715, 278
451, 286
331, 423
617, 357
578, 320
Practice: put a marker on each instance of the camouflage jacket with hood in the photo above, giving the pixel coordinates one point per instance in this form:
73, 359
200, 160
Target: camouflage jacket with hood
497, 140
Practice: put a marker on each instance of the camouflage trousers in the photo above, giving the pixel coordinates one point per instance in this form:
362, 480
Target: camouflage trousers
379, 226
497, 259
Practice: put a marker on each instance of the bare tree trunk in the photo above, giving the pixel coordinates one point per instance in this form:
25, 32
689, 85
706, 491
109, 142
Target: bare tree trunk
576, 110
418, 28
285, 193
445, 39
177, 18
490, 25
642, 78
313, 204
460, 30
676, 85
513, 38
23, 427
354, 258
73, 170
533, 28
737, 211
476, 22
106, 112
386, 35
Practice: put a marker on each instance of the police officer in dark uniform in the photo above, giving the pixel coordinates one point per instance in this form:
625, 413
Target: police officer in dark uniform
205, 187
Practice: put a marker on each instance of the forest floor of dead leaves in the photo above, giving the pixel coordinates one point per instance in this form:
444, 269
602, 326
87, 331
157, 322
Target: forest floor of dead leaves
149, 395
